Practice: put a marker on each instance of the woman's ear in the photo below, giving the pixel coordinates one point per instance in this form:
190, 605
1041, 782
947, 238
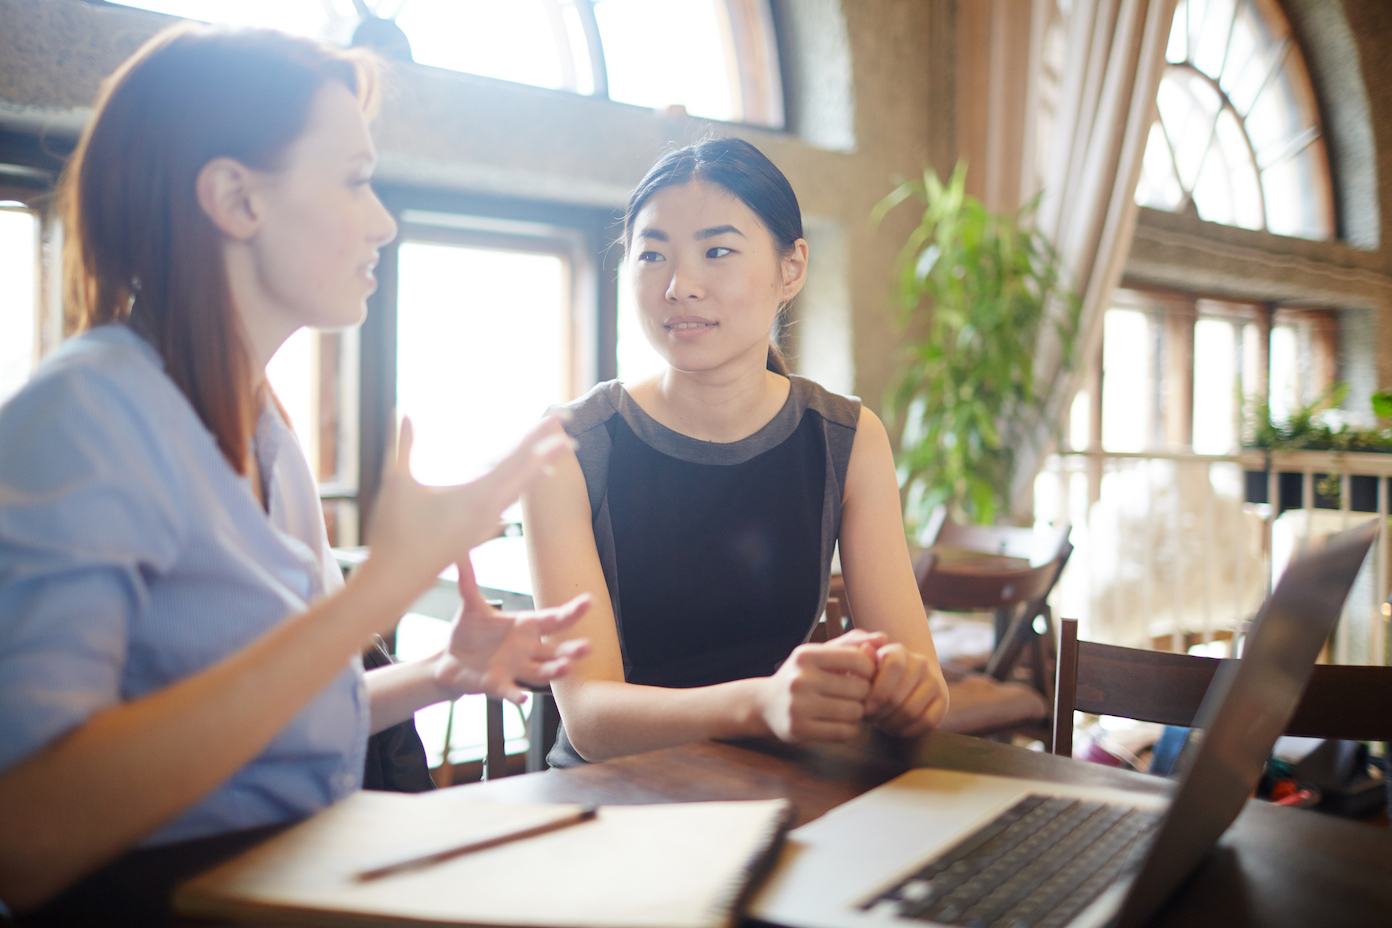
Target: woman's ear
793, 266
226, 192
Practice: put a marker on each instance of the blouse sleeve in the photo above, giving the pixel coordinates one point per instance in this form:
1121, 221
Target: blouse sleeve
88, 517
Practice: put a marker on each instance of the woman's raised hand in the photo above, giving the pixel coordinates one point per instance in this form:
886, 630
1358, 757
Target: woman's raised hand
498, 653
819, 692
418, 530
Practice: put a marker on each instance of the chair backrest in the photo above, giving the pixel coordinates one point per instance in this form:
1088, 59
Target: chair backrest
966, 590
1341, 701
1002, 540
967, 585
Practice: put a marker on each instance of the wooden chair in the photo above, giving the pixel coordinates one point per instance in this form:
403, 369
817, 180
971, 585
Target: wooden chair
543, 721
1011, 571
1353, 703
983, 703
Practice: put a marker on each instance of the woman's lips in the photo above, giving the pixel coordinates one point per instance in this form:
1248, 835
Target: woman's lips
688, 326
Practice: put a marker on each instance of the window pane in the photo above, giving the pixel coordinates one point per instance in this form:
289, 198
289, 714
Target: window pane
1285, 372
18, 234
1215, 387
528, 41
1211, 36
1294, 215
664, 52
1228, 190
1249, 61
1273, 121
479, 357
1188, 107
1158, 185
1127, 391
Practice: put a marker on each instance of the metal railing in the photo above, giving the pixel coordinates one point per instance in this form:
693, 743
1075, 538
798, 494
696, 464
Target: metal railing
1171, 553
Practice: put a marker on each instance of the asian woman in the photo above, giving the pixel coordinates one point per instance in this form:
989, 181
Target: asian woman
702, 506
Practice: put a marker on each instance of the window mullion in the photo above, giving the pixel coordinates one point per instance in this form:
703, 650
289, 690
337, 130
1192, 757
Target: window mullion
595, 44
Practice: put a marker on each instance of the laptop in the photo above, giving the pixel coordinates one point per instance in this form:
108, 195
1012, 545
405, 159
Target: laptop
941, 847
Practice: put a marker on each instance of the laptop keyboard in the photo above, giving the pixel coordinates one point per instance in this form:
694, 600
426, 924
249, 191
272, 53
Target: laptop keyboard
1036, 865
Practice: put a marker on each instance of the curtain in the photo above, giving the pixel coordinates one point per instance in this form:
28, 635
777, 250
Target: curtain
1090, 101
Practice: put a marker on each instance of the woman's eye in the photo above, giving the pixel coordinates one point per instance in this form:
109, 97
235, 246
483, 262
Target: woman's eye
718, 252
649, 256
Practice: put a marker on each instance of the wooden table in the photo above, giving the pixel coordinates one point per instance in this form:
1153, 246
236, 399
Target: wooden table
1274, 867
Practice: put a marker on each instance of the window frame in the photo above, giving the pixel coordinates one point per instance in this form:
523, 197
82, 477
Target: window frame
1288, 69
1172, 316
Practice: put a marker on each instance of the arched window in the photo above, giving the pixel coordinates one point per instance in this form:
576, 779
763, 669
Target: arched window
715, 58
1238, 139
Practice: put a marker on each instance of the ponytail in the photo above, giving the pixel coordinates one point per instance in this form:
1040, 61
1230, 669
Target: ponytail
776, 361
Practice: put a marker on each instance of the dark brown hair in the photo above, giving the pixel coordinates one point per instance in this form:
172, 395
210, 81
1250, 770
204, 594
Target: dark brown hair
139, 246
744, 171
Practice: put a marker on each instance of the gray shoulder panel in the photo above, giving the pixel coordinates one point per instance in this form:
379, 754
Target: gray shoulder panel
842, 416
587, 417
833, 407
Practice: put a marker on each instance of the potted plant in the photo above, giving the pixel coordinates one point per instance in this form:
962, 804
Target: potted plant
1308, 428
975, 290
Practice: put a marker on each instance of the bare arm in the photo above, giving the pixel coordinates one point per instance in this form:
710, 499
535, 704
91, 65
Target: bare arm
91, 794
909, 694
816, 695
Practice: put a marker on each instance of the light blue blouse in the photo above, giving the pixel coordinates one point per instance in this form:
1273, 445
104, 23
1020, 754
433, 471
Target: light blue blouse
132, 556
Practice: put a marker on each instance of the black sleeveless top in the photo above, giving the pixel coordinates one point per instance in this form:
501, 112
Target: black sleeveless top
716, 555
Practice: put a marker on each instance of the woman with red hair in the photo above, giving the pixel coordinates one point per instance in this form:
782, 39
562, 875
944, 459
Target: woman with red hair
179, 655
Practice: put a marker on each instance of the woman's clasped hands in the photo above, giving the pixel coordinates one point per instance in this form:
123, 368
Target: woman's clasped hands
823, 691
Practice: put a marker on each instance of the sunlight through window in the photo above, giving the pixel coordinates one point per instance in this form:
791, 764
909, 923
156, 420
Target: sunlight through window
661, 52
538, 42
1126, 414
638, 359
18, 268
716, 58
480, 355
292, 373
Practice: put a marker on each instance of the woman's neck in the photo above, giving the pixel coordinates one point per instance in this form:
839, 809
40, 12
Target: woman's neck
716, 406
264, 325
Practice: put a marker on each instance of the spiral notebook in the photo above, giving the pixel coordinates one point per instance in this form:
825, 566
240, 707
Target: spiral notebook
680, 865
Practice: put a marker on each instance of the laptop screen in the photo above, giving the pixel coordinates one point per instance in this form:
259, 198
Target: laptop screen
1248, 705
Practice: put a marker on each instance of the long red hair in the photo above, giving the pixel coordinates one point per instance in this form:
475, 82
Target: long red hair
138, 245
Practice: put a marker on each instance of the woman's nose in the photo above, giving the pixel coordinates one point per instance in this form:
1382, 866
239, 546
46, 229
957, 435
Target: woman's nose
682, 287
384, 227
